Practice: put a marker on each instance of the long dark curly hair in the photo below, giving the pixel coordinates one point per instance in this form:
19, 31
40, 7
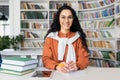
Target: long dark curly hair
76, 27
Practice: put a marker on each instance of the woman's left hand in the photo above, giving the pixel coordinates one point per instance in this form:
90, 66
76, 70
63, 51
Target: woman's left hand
72, 66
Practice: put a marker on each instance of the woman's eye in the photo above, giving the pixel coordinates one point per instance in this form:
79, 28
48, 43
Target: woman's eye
63, 17
70, 17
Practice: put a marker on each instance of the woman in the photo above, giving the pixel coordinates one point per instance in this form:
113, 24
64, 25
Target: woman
65, 47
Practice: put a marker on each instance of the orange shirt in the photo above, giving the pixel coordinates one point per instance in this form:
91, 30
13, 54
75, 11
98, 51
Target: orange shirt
50, 52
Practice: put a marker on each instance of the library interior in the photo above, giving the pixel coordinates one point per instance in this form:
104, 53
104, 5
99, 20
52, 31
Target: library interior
24, 24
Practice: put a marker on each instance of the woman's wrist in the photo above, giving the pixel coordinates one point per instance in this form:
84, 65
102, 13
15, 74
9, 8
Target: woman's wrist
55, 67
78, 68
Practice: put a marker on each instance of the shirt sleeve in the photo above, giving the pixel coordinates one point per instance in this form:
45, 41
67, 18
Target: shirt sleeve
82, 56
47, 57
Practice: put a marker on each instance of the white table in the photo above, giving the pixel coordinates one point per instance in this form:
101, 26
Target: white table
90, 73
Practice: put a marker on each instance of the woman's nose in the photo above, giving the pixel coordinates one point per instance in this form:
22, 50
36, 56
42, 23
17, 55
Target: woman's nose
66, 19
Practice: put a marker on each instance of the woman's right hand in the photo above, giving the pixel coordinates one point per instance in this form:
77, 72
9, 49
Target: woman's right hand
62, 67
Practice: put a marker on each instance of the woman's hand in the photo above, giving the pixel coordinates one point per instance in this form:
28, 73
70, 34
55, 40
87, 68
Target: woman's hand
67, 67
72, 66
63, 67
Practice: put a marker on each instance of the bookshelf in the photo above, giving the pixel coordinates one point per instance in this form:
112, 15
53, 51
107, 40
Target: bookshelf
34, 23
117, 17
35, 18
99, 20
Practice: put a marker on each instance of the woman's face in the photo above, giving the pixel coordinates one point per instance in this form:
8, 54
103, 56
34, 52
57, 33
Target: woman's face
66, 20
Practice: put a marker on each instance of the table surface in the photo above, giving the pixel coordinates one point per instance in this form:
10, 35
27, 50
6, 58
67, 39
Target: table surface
90, 73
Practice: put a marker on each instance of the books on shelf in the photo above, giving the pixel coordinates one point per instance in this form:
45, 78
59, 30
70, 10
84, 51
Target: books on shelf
101, 62
118, 56
32, 44
99, 44
102, 58
108, 55
106, 34
95, 4
98, 24
111, 22
58, 5
118, 21
25, 25
100, 21
103, 54
92, 34
39, 26
97, 14
33, 15
26, 5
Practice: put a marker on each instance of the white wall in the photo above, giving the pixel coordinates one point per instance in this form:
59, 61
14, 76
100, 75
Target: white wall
15, 16
4, 26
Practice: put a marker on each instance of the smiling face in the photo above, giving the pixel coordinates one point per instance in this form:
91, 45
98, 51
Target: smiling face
66, 20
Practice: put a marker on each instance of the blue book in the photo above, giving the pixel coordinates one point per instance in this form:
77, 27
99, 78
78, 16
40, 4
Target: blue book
0, 60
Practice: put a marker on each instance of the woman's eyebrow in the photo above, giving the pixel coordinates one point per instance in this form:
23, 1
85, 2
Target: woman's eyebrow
68, 15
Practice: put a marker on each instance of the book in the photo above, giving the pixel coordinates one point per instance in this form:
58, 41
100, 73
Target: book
18, 68
20, 61
111, 22
108, 55
25, 25
16, 72
29, 15
0, 60
118, 56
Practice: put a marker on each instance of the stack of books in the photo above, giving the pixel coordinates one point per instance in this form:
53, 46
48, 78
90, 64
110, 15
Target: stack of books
18, 65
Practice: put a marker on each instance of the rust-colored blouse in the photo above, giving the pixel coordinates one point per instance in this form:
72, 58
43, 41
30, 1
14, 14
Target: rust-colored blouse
50, 52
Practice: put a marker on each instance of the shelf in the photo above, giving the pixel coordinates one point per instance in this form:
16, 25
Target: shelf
101, 49
100, 25
34, 23
92, 19
98, 8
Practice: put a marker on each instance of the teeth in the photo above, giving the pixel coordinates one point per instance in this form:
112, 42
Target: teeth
67, 25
